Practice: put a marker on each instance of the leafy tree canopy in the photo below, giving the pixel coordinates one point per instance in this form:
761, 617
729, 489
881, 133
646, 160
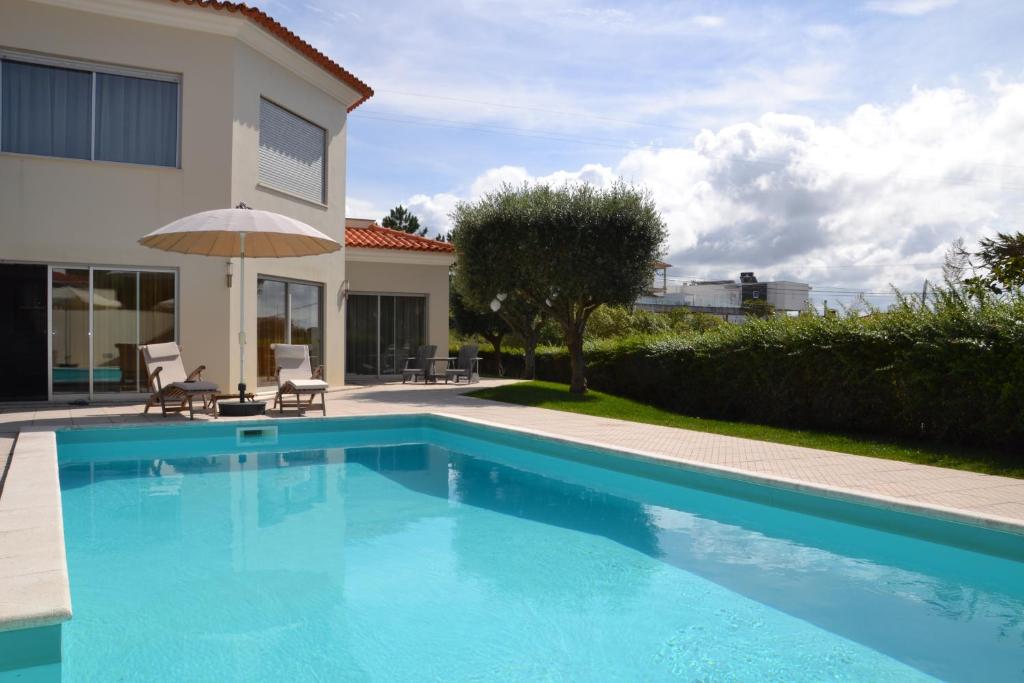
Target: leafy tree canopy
758, 308
471, 321
1002, 260
565, 250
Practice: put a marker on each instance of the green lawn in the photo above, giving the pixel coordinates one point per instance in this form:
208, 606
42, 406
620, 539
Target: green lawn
557, 397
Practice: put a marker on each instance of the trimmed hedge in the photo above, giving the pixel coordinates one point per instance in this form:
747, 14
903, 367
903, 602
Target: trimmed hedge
951, 375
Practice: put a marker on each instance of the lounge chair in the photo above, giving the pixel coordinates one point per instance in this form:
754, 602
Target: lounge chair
171, 388
296, 377
420, 364
467, 364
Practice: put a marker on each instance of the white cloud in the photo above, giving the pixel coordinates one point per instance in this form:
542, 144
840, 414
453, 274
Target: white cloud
708, 21
433, 210
786, 194
361, 208
908, 7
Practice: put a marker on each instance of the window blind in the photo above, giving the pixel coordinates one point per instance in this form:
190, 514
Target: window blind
292, 153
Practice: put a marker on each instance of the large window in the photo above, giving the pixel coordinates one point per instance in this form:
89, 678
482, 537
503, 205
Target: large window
292, 153
80, 112
381, 331
287, 313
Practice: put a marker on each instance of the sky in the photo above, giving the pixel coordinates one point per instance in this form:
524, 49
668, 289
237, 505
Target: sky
844, 143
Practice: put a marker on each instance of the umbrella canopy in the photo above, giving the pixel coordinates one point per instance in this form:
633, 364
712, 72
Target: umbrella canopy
219, 233
240, 232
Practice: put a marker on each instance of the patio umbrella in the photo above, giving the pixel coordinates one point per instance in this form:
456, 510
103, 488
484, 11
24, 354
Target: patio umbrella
241, 232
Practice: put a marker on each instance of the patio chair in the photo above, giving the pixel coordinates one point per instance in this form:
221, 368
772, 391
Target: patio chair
296, 377
170, 387
467, 364
420, 364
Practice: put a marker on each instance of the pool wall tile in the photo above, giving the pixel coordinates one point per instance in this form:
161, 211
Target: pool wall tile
31, 654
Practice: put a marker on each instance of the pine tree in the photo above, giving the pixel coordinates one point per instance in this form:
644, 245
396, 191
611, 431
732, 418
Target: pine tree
401, 218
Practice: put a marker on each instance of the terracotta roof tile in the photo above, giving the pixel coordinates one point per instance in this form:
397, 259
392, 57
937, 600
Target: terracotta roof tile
265, 21
360, 232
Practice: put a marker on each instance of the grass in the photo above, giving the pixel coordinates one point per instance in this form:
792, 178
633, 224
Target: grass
557, 397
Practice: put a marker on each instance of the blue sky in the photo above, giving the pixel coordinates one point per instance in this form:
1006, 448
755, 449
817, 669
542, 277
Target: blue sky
845, 143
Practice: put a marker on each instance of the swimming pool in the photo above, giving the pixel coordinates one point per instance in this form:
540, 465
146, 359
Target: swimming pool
418, 547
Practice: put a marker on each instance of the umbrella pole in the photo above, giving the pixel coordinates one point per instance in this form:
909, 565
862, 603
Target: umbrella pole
241, 330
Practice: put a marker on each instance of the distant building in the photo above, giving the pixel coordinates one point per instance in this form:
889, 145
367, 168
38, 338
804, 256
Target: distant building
723, 298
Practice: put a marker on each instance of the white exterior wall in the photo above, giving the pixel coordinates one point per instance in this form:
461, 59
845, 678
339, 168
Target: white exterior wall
257, 76
720, 295
74, 212
788, 296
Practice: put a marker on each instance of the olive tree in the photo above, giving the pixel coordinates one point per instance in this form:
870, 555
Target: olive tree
470, 320
483, 284
565, 250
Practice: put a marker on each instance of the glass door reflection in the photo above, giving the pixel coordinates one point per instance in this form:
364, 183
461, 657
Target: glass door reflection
287, 312
98, 319
361, 335
115, 328
304, 314
382, 331
69, 291
271, 326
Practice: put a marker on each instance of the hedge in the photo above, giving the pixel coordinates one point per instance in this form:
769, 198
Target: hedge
951, 374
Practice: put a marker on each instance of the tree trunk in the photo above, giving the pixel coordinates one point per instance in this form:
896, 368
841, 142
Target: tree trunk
497, 358
530, 356
495, 341
578, 383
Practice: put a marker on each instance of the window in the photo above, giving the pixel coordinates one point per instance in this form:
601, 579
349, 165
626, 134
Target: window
287, 313
46, 110
292, 153
136, 120
80, 112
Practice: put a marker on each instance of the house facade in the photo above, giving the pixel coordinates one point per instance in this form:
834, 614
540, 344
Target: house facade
397, 298
120, 116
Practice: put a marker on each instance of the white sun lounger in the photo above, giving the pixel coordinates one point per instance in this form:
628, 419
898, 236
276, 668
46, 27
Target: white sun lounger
296, 377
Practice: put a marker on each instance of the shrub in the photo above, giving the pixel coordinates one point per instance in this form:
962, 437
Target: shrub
950, 373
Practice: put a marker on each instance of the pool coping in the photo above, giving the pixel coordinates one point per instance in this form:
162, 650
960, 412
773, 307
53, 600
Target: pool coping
34, 587
987, 521
34, 583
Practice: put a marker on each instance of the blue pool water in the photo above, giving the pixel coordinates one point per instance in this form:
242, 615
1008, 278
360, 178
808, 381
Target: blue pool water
417, 548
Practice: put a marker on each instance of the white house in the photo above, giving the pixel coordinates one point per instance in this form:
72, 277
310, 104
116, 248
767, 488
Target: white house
119, 116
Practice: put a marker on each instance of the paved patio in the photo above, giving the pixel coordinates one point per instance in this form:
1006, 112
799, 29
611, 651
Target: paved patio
996, 499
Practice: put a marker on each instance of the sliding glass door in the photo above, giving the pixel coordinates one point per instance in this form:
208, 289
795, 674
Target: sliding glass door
99, 317
287, 312
23, 314
69, 330
381, 331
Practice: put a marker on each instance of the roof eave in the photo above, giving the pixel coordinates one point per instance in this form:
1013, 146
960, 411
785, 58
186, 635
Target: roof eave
290, 39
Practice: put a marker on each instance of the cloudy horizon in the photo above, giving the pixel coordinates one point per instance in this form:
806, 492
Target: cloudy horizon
844, 146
